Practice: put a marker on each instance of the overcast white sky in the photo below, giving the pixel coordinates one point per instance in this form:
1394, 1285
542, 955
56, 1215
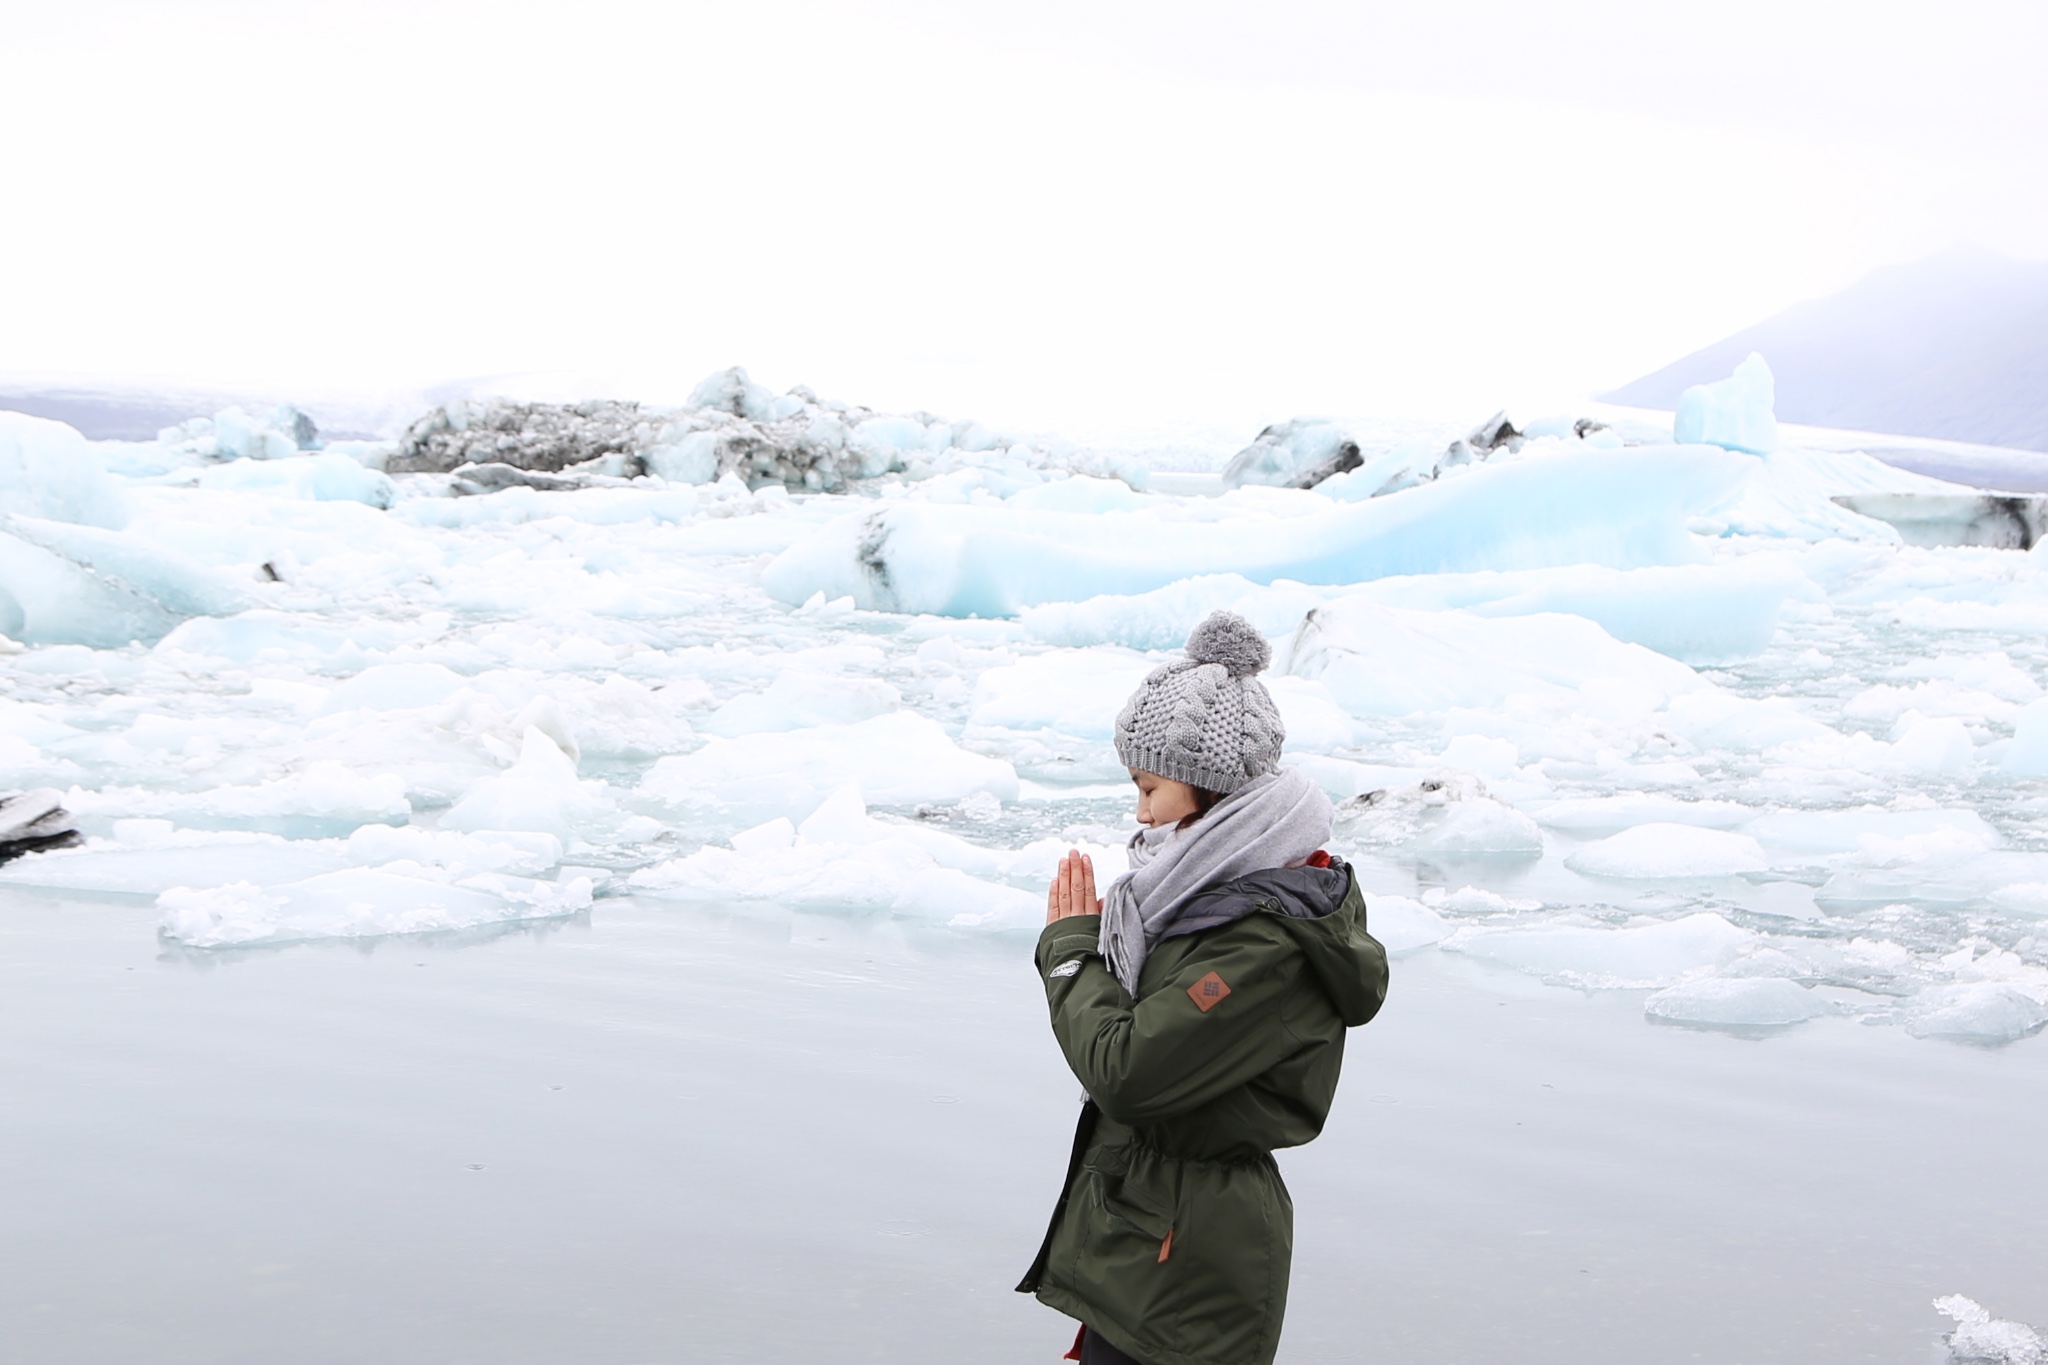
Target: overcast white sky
1047, 213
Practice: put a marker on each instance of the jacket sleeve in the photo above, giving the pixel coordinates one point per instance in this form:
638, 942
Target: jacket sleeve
1165, 1055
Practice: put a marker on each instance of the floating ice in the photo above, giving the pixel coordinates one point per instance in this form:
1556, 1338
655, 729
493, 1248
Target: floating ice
1646, 954
327, 477
358, 903
1980, 1339
1447, 812
1403, 925
1073, 691
1978, 1012
731, 426
1379, 661
48, 470
1624, 509
1736, 1002
232, 434
1670, 850
1520, 631
149, 856
1735, 412
1297, 454
2028, 755
539, 793
799, 698
900, 759
1695, 613
327, 797
841, 857
1602, 815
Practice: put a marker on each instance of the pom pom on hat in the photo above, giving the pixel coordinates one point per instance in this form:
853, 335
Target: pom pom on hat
1226, 638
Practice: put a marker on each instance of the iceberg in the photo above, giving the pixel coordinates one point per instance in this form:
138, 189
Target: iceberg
730, 426
1622, 509
1734, 413
1297, 454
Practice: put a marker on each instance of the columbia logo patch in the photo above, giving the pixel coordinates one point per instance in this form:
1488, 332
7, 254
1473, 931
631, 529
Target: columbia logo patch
1207, 994
1072, 968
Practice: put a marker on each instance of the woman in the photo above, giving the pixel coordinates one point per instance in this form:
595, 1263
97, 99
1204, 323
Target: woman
1202, 1003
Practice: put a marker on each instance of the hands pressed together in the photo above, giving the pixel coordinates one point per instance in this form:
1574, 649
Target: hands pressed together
1073, 888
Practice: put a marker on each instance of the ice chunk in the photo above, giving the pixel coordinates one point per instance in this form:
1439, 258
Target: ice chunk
1735, 413
76, 584
2028, 756
326, 797
1446, 812
1736, 1002
1603, 815
1073, 691
145, 862
1387, 662
1162, 618
395, 687
539, 793
620, 718
1384, 471
358, 903
843, 858
327, 477
897, 759
33, 821
1313, 720
522, 853
734, 391
1670, 850
1297, 454
1980, 1339
1402, 925
1938, 744
1977, 1012
801, 697
1653, 954
1697, 613
48, 470
881, 876
1625, 509
1079, 493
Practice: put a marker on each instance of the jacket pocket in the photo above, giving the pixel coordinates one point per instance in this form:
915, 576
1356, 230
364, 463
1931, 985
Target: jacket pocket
1119, 1259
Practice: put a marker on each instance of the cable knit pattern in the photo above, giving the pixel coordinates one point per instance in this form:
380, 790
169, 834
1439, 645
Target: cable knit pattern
1206, 720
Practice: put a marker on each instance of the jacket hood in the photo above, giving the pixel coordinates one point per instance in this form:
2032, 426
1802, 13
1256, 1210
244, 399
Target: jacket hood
1324, 911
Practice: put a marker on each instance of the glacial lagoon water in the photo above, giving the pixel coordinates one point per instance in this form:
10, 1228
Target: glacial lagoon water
652, 1133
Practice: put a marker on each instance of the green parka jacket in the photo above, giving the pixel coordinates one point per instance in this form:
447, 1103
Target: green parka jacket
1174, 1234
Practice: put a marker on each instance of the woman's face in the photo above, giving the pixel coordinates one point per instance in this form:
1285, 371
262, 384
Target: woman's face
1161, 800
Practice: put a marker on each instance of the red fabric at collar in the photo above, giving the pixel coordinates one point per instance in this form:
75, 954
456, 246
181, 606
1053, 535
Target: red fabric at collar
1319, 858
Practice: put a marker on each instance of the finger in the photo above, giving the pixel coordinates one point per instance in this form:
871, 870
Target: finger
1087, 882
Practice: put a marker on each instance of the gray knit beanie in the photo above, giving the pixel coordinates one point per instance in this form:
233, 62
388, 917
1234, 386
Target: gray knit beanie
1206, 720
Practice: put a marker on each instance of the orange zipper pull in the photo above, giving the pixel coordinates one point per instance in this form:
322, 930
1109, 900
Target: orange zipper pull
1166, 1247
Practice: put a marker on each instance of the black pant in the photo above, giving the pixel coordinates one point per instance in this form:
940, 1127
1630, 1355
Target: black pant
1096, 1351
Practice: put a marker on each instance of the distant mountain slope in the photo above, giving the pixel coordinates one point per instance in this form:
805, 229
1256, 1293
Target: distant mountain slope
113, 411
1954, 347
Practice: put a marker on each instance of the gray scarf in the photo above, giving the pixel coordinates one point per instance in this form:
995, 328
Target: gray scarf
1272, 821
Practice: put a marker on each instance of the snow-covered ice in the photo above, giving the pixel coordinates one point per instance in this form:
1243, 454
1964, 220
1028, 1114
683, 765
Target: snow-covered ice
1636, 715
